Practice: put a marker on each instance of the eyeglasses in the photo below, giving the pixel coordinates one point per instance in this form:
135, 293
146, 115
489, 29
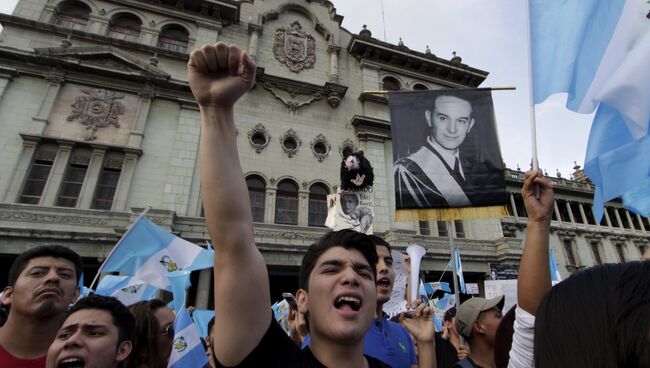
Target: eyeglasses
168, 331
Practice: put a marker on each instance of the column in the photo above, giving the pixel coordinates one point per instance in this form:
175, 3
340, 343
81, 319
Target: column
92, 176
124, 184
582, 214
51, 91
6, 75
334, 62
556, 209
638, 217
20, 173
255, 31
618, 217
97, 24
141, 115
303, 207
568, 207
47, 14
513, 205
149, 36
203, 289
59, 167
269, 210
608, 221
629, 220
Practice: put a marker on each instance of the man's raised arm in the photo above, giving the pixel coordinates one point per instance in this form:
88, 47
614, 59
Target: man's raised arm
219, 75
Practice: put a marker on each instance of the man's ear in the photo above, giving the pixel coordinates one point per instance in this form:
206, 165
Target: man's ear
123, 351
302, 297
427, 115
7, 293
471, 124
477, 327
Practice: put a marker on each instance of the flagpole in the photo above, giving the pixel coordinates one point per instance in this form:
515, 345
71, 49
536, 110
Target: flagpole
451, 230
533, 124
382, 92
99, 271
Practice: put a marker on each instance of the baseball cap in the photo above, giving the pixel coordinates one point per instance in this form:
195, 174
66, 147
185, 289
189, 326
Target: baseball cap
470, 309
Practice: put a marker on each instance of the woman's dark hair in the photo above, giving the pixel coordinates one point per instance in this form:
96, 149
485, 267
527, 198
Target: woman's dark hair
503, 339
348, 239
145, 344
599, 317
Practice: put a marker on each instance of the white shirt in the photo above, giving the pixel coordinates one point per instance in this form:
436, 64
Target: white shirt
449, 157
523, 340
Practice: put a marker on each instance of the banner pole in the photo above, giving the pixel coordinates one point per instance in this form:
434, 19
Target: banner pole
451, 230
382, 92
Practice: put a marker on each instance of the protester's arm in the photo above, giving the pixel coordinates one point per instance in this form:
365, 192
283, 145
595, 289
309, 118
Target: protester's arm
420, 325
219, 75
534, 273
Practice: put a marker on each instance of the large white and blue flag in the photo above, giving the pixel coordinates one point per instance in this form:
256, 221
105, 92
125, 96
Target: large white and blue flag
148, 253
201, 320
459, 271
598, 51
187, 350
126, 289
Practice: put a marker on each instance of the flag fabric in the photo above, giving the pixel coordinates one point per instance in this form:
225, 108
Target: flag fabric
201, 320
126, 289
555, 273
187, 350
598, 52
83, 291
180, 281
148, 253
459, 271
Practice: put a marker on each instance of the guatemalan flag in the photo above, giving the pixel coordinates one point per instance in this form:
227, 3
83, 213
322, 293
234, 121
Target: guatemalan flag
459, 271
555, 273
187, 350
148, 253
599, 52
126, 289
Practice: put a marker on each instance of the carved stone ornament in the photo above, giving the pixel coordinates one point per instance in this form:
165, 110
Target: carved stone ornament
259, 138
294, 48
289, 98
99, 108
320, 147
290, 142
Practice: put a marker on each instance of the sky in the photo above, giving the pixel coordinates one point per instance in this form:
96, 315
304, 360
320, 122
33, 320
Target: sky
488, 35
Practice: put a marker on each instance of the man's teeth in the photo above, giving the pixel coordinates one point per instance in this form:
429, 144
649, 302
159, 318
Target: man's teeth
352, 301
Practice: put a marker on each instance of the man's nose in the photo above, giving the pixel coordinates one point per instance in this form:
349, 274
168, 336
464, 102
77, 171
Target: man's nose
351, 276
52, 276
451, 126
75, 340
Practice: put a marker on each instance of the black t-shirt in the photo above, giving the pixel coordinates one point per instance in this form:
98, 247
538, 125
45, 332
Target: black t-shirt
277, 350
467, 360
446, 354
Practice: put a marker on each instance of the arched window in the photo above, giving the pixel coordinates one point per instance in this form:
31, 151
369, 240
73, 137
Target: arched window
286, 203
317, 204
174, 38
125, 27
391, 84
257, 194
72, 14
420, 87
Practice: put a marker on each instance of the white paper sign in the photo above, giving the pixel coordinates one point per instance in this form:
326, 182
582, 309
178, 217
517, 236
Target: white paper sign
397, 302
494, 288
471, 288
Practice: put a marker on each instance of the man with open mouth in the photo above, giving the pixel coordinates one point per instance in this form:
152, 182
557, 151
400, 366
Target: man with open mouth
97, 333
337, 277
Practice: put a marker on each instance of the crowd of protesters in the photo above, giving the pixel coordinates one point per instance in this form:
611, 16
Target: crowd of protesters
598, 317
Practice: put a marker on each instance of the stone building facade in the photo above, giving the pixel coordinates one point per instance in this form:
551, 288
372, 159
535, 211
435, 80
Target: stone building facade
98, 122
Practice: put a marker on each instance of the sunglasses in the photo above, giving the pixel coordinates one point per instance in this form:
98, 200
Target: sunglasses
168, 331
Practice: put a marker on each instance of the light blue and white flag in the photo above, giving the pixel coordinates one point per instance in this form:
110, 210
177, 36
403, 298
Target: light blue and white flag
555, 273
201, 320
187, 350
180, 281
126, 289
598, 52
459, 271
83, 291
148, 253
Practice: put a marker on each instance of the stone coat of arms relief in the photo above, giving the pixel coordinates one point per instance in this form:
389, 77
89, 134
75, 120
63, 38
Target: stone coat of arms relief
97, 109
294, 48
